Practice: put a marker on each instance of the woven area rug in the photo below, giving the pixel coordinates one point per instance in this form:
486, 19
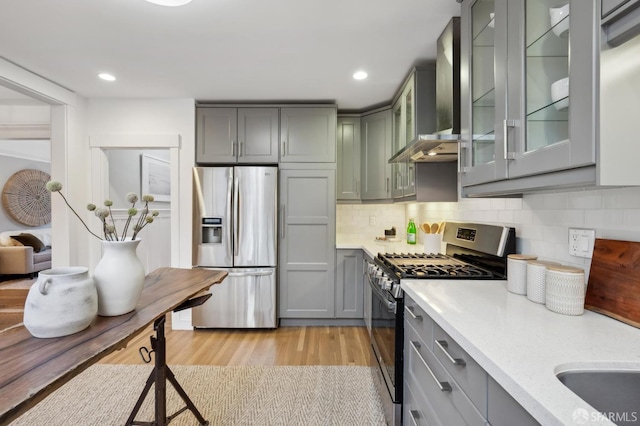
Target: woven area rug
247, 395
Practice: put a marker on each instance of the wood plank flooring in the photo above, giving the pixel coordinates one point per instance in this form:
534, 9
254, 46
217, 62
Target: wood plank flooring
282, 346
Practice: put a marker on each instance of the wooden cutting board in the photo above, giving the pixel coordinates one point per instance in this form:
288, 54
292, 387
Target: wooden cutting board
614, 280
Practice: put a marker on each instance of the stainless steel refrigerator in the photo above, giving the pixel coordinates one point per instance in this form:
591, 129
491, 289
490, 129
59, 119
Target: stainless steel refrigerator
235, 229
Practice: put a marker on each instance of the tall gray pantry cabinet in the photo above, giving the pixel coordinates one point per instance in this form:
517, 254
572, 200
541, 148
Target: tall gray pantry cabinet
307, 242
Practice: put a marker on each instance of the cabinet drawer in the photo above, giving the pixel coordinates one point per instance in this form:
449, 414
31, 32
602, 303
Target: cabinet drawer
465, 370
414, 315
416, 408
452, 406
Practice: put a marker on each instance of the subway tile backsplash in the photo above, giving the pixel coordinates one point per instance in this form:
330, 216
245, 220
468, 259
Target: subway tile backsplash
542, 221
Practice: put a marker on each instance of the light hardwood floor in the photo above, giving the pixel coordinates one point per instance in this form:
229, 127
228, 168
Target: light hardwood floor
282, 346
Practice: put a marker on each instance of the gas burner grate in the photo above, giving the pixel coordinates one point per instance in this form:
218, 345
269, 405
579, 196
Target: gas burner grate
422, 265
449, 271
413, 256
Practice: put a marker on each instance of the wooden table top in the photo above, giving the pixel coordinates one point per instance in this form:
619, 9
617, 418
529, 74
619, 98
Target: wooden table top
32, 368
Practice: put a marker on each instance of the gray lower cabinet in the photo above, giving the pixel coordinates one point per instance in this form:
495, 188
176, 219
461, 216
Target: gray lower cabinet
237, 135
307, 243
349, 284
503, 409
445, 386
348, 161
308, 134
368, 301
375, 150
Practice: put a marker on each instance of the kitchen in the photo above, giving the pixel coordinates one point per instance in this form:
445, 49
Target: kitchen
541, 219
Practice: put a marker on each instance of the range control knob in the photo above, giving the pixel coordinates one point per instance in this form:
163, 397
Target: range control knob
387, 284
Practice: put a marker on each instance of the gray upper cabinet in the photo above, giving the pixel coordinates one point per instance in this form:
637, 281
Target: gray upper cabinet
620, 21
414, 113
258, 135
348, 161
307, 243
517, 86
216, 135
376, 149
236, 135
308, 135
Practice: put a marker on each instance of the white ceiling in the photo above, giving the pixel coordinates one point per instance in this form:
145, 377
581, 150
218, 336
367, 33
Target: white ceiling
226, 50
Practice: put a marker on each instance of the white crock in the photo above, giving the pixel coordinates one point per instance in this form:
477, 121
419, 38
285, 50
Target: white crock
119, 278
62, 301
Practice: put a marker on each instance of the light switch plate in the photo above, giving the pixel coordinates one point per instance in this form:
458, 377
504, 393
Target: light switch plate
372, 220
581, 242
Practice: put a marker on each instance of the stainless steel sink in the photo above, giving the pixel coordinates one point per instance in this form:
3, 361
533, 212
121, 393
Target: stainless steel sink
616, 394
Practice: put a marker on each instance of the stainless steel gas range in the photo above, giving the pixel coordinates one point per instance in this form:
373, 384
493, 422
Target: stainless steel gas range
473, 252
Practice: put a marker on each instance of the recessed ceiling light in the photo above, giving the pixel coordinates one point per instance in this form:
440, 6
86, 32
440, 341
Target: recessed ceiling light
107, 77
360, 75
170, 2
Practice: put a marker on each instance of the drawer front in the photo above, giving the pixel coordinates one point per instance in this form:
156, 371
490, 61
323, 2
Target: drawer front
418, 318
451, 405
416, 409
465, 370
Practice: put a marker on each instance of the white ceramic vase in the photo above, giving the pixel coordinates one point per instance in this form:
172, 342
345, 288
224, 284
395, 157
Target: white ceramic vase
62, 301
119, 278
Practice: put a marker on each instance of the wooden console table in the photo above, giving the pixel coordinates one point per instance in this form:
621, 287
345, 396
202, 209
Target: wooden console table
32, 368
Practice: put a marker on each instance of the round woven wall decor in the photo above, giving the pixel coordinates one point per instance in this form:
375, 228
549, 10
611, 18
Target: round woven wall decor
25, 197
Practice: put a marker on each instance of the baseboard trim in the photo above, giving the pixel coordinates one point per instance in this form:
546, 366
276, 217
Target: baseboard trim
321, 322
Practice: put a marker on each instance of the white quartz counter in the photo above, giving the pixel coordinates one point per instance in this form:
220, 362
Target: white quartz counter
522, 345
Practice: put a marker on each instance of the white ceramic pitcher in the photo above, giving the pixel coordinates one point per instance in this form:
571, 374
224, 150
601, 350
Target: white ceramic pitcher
62, 301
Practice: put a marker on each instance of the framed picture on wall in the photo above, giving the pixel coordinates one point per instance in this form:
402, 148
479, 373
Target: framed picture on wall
156, 178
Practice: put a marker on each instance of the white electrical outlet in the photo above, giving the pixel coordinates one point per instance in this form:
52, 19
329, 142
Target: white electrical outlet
581, 242
372, 220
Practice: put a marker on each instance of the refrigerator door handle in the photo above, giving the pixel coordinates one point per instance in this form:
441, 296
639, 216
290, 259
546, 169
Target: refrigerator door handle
236, 216
250, 274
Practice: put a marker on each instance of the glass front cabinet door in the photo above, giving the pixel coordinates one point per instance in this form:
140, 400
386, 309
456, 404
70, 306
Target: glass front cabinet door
529, 89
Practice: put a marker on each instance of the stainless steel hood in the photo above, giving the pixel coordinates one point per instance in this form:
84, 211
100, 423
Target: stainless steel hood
437, 147
441, 146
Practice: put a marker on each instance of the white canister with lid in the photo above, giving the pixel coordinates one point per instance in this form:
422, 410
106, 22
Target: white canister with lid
536, 279
517, 272
565, 290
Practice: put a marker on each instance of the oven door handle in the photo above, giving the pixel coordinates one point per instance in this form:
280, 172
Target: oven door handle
392, 305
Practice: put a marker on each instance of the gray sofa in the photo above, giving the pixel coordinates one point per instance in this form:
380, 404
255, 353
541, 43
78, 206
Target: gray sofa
19, 259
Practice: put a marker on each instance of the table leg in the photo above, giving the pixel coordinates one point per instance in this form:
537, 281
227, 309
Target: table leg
158, 377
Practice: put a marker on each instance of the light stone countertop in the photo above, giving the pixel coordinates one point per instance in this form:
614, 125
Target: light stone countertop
522, 345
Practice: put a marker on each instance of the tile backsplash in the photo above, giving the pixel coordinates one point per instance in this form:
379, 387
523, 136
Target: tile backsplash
542, 221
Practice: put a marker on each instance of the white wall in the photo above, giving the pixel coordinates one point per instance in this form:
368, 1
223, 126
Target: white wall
148, 117
368, 221
542, 221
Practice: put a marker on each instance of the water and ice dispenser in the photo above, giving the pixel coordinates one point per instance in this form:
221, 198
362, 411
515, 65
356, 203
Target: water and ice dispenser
211, 230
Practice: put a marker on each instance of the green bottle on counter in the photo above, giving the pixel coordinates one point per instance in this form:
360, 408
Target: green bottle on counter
411, 232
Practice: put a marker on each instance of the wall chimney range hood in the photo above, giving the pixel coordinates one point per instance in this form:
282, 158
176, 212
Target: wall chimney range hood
441, 146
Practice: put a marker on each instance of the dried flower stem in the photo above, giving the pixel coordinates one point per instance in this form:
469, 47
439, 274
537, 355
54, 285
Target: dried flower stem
78, 216
115, 230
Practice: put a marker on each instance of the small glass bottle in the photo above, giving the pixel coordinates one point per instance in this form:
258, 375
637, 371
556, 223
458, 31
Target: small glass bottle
411, 232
